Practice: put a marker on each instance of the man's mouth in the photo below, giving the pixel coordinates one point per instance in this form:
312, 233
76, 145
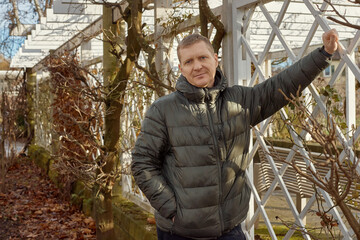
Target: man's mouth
200, 75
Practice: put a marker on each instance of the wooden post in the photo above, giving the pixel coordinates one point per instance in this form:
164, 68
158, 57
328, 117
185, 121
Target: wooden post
242, 61
86, 51
350, 99
31, 86
300, 204
228, 53
162, 8
240, 72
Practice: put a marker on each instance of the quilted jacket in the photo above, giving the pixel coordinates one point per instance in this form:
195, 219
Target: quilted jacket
191, 155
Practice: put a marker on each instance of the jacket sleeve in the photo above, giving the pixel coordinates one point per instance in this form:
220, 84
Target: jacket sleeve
266, 99
146, 166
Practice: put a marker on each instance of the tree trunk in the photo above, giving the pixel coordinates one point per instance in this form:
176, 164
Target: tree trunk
104, 213
103, 203
354, 224
15, 19
102, 194
116, 82
49, 4
203, 20
160, 91
209, 15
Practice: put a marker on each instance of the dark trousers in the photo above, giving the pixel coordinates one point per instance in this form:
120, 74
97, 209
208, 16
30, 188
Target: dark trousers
235, 234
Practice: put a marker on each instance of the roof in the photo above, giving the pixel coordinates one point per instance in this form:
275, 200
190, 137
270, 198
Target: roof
295, 24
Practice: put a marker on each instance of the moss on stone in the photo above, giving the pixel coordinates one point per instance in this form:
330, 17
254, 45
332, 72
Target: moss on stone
87, 206
133, 220
40, 156
53, 174
81, 196
78, 188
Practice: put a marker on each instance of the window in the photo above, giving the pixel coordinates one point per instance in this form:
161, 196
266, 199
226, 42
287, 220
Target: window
327, 72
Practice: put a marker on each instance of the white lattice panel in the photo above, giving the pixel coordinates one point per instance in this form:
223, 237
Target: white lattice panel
278, 27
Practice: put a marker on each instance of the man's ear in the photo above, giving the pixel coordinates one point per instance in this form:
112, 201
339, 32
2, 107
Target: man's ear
180, 67
216, 59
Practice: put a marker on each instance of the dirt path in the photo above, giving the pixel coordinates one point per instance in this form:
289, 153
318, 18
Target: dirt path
33, 209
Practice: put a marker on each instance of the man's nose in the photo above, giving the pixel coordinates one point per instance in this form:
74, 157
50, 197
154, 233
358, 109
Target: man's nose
197, 65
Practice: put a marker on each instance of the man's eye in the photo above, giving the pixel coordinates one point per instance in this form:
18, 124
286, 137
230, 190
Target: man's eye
203, 57
187, 62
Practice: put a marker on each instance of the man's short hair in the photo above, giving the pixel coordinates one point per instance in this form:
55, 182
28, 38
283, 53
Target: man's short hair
192, 39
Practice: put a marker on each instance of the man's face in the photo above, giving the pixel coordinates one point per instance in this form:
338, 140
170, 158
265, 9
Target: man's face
198, 64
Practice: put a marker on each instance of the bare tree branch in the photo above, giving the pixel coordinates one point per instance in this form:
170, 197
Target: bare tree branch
344, 20
220, 29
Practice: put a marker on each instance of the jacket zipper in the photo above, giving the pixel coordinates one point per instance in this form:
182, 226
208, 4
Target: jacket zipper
216, 145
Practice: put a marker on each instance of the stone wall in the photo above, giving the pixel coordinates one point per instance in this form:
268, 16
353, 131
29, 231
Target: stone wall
131, 222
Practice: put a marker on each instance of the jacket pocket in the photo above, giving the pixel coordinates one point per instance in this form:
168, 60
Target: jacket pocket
165, 224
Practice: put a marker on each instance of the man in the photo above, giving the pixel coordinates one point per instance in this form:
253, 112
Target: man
191, 155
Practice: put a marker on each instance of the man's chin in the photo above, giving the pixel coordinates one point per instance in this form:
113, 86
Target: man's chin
203, 85
200, 82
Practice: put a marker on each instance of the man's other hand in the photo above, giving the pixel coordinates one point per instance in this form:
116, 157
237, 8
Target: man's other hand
330, 41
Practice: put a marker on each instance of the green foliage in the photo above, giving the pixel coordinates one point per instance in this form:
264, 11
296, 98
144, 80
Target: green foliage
332, 101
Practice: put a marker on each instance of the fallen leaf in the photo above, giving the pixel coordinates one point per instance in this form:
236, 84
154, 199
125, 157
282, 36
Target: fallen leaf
86, 230
63, 236
32, 235
88, 220
44, 225
92, 226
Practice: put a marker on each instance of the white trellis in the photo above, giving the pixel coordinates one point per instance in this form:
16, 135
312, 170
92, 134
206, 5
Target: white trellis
243, 29
61, 23
257, 31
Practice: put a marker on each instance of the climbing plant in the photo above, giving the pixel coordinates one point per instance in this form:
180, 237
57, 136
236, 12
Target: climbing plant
341, 180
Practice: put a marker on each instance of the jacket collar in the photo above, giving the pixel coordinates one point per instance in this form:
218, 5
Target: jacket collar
200, 95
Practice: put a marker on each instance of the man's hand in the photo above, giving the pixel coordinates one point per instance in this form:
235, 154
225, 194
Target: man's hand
330, 41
